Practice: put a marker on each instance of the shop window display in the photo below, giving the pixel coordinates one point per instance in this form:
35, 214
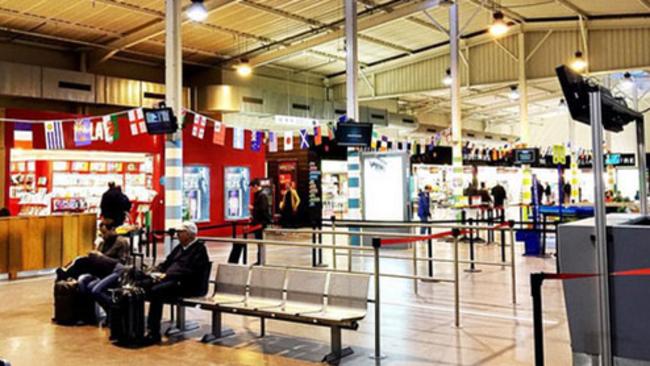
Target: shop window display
237, 192
196, 193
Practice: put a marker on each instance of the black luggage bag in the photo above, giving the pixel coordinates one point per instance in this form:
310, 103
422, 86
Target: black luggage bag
126, 315
72, 307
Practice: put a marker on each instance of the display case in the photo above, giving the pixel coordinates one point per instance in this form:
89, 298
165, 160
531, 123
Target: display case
196, 193
236, 192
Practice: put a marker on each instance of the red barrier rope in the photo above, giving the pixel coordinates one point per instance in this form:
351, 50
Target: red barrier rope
410, 239
252, 229
571, 276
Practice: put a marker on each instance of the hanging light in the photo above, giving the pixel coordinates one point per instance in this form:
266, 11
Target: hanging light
579, 63
197, 11
562, 102
628, 81
514, 93
498, 27
447, 80
244, 68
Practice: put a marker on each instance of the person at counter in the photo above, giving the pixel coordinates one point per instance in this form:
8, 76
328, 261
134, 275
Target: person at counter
114, 204
424, 206
485, 196
111, 250
499, 195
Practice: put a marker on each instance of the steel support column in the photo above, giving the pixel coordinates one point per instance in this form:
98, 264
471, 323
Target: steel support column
173, 98
600, 229
456, 118
351, 61
640, 151
524, 125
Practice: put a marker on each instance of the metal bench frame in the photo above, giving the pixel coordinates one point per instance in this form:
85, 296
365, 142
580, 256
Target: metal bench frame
217, 331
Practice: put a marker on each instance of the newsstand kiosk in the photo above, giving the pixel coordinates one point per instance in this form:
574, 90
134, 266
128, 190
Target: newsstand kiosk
607, 314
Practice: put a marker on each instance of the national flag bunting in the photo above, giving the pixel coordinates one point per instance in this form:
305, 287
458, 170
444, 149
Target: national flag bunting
273, 142
318, 136
198, 127
219, 133
23, 136
257, 139
136, 122
111, 128
83, 130
238, 138
288, 141
54, 135
304, 139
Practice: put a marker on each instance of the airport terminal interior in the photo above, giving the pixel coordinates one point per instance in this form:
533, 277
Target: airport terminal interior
345, 182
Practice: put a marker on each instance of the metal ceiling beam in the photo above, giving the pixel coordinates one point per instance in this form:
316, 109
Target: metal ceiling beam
424, 23
316, 23
131, 7
435, 22
152, 29
573, 7
365, 23
491, 5
645, 3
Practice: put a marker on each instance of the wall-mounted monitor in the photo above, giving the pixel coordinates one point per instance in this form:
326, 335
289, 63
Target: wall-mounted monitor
353, 134
526, 156
160, 120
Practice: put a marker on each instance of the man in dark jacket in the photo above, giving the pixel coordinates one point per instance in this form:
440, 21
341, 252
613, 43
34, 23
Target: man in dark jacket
424, 206
114, 204
180, 275
261, 215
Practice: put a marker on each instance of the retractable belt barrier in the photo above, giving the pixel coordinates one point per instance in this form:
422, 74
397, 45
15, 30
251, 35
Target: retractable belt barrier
536, 281
415, 238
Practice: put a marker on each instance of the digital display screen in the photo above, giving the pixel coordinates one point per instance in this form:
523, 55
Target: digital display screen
353, 134
613, 159
526, 156
159, 120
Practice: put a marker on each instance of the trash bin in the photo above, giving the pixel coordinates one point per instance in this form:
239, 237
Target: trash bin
531, 239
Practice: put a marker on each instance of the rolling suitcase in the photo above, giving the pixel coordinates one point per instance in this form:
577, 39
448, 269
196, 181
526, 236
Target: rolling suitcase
72, 307
127, 316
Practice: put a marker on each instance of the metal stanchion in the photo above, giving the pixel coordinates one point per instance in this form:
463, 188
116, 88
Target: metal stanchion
536, 281
333, 219
314, 253
472, 267
513, 269
376, 244
456, 233
245, 249
502, 220
430, 253
415, 267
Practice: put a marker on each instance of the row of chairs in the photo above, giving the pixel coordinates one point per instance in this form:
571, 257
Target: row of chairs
331, 299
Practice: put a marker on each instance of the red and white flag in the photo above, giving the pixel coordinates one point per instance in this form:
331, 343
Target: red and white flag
288, 141
136, 122
198, 128
219, 133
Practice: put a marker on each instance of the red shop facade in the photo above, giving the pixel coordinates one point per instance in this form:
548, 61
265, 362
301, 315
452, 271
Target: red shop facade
138, 159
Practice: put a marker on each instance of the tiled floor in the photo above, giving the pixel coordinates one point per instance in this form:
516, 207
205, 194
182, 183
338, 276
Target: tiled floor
415, 329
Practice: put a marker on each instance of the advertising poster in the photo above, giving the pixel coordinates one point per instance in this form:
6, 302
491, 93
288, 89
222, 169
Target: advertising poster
237, 192
196, 193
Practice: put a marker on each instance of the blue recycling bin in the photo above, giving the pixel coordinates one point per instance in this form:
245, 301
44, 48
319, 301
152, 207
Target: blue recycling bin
531, 239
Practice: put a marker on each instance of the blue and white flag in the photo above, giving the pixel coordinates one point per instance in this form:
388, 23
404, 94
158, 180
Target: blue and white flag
304, 139
273, 142
54, 135
257, 138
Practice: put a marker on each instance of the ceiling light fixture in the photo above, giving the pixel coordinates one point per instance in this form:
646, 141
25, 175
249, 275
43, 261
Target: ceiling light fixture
579, 64
447, 80
244, 68
498, 27
514, 93
197, 11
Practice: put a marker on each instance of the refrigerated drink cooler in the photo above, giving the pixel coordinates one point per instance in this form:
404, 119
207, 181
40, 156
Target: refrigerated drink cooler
628, 247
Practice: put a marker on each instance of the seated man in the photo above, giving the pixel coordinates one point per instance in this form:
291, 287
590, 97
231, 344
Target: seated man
112, 249
180, 275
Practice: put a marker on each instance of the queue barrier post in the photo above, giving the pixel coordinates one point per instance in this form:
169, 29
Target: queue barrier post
536, 281
245, 249
430, 253
472, 266
513, 269
320, 241
502, 219
333, 220
415, 267
456, 234
377, 355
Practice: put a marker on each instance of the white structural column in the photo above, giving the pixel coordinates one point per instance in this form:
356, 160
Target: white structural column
352, 110
456, 121
351, 60
173, 97
524, 126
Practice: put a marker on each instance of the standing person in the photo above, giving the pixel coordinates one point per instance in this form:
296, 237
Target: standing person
261, 215
289, 205
566, 190
179, 275
424, 207
485, 196
499, 197
114, 204
547, 192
